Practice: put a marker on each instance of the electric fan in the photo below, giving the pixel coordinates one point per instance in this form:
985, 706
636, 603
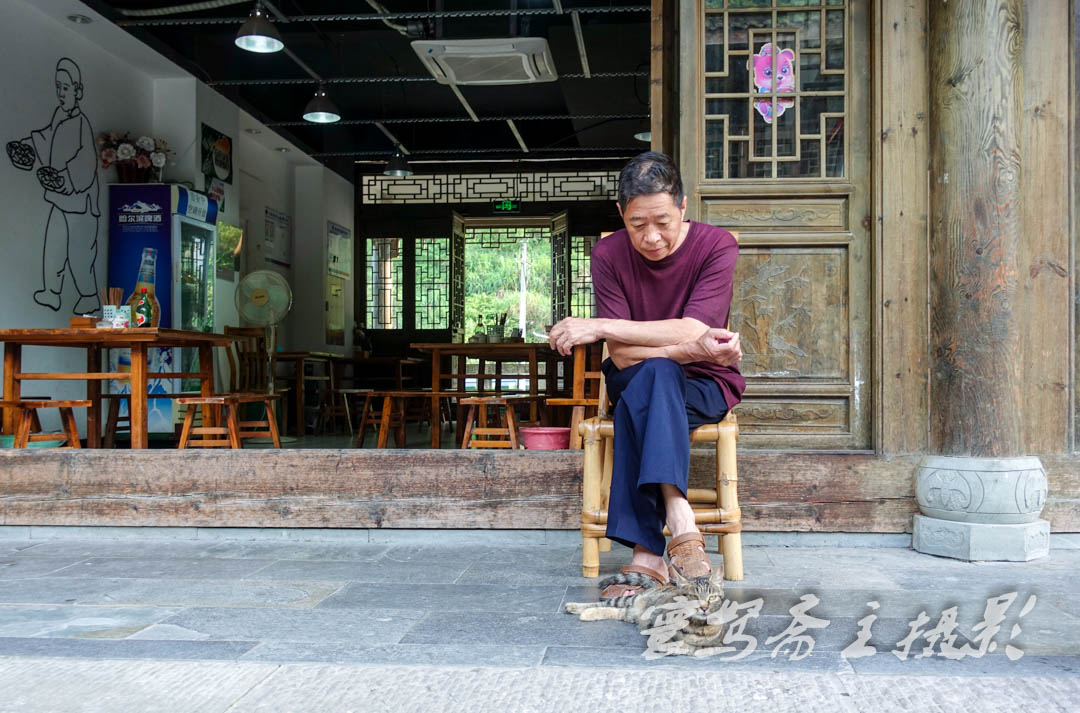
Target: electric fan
263, 298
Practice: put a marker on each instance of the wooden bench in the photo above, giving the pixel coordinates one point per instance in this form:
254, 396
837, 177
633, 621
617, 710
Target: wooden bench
505, 435
386, 410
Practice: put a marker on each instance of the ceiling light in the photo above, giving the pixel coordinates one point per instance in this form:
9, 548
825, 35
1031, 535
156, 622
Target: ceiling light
320, 110
258, 34
645, 136
397, 166
282, 149
79, 19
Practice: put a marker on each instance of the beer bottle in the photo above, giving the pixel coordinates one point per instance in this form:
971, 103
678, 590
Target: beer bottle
145, 283
144, 310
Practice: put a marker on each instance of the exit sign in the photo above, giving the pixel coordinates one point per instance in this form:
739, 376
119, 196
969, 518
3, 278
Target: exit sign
506, 206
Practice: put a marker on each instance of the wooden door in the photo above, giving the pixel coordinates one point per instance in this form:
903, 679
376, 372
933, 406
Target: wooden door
786, 163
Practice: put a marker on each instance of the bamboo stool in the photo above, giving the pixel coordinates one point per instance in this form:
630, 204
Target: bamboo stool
716, 511
233, 427
26, 416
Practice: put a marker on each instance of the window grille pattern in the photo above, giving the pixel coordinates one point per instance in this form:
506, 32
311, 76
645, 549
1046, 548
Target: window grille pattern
384, 284
487, 187
582, 303
432, 284
500, 237
457, 284
775, 86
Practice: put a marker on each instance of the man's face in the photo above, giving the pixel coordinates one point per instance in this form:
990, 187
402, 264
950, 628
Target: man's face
654, 223
65, 91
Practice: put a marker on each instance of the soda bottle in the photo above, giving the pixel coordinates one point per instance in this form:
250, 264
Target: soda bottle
144, 310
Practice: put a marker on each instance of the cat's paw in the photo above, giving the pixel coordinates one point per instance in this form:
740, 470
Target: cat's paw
577, 607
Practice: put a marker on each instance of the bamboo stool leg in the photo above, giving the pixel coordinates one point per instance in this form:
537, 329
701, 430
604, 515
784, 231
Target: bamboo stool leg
511, 426
575, 420
728, 494
185, 432
590, 502
605, 485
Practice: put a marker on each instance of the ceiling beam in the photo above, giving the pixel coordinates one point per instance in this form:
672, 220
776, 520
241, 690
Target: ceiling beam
575, 18
381, 16
465, 119
461, 98
393, 79
514, 130
393, 139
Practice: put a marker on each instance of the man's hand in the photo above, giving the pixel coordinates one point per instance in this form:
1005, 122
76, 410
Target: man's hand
572, 331
720, 346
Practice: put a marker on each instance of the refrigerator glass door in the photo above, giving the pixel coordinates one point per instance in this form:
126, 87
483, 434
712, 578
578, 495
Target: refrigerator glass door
193, 286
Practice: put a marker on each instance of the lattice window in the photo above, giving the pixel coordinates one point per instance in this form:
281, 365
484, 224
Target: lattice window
432, 283
793, 127
385, 284
500, 237
581, 294
484, 187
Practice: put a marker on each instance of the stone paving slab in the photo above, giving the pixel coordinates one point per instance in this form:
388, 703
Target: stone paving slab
163, 568
410, 654
520, 629
17, 567
54, 590
114, 649
77, 622
447, 597
86, 549
215, 593
378, 570
366, 626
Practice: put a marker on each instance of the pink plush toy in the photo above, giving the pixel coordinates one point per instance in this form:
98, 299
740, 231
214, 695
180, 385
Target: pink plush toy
763, 79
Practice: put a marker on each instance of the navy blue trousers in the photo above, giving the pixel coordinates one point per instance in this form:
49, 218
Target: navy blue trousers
656, 407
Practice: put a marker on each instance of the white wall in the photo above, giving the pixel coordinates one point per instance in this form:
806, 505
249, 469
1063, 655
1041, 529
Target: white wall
116, 96
321, 195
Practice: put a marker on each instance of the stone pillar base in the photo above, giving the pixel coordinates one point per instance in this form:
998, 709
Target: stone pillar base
981, 541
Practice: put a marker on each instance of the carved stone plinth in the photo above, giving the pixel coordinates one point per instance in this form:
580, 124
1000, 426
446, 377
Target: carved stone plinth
980, 541
981, 508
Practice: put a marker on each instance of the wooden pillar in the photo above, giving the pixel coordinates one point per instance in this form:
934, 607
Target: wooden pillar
975, 79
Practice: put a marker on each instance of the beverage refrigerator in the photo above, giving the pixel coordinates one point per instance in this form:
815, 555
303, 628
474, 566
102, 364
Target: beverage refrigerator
163, 237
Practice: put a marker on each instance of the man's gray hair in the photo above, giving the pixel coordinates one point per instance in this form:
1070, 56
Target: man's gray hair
648, 174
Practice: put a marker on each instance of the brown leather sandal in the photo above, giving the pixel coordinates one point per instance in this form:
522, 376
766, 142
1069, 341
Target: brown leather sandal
686, 553
631, 580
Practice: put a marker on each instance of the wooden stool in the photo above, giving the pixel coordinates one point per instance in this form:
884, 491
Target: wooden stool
488, 436
233, 427
345, 394
35, 425
371, 414
26, 416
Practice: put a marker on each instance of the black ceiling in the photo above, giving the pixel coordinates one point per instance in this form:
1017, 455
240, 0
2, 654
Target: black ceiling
572, 118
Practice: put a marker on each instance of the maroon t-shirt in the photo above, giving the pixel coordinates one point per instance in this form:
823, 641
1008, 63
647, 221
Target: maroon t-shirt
694, 281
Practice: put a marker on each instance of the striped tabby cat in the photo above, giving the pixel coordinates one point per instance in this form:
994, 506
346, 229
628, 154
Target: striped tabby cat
675, 615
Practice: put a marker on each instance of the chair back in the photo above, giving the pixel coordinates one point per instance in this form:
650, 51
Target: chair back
602, 412
247, 359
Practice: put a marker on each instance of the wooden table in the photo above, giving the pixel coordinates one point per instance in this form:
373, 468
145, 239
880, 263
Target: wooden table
138, 340
498, 352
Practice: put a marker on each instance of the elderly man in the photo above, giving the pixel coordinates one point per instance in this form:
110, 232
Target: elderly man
663, 290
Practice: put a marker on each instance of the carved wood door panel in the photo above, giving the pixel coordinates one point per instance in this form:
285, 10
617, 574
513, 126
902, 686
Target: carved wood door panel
775, 145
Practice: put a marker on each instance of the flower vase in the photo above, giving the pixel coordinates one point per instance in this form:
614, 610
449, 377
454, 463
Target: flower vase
127, 172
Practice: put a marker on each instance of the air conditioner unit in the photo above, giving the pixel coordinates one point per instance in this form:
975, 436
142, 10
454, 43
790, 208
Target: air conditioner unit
517, 60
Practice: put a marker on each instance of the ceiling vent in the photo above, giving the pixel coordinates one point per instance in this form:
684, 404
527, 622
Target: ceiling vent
517, 60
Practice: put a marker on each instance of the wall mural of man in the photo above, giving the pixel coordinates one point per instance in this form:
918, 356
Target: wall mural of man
66, 155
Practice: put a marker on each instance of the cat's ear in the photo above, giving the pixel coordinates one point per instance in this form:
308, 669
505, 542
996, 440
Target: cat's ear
716, 579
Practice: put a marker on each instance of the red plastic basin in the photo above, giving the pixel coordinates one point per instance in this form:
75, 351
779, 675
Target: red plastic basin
545, 438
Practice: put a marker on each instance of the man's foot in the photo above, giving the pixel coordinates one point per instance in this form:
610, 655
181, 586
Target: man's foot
48, 298
686, 552
631, 580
